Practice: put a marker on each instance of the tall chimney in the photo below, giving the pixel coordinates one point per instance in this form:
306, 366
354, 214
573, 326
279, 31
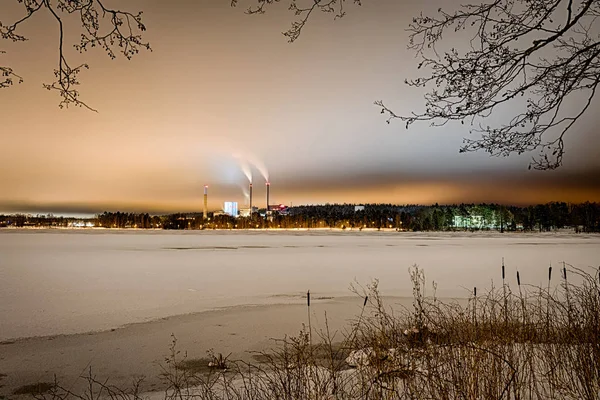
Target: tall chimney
268, 187
250, 190
205, 213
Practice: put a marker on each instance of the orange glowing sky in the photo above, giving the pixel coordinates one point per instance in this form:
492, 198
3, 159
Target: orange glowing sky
222, 86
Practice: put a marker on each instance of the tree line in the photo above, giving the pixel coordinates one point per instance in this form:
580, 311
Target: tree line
584, 217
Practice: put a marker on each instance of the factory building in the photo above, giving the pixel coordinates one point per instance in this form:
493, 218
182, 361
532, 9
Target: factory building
245, 212
231, 208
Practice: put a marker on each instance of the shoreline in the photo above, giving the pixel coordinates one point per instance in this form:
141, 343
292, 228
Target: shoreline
193, 314
70, 281
403, 233
137, 349
66, 280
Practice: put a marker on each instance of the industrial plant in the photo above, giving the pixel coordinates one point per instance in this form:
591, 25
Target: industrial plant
232, 209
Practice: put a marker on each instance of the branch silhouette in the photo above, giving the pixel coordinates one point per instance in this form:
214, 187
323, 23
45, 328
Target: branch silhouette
302, 10
7, 76
546, 52
113, 30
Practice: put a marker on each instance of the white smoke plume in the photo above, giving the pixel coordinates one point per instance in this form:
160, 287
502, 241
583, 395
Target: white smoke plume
244, 166
248, 160
246, 192
260, 166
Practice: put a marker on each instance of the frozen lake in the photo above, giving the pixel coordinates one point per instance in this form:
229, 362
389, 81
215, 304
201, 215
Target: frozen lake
67, 281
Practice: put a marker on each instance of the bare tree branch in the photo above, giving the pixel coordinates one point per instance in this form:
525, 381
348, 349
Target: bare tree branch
302, 9
510, 60
7, 76
546, 52
123, 35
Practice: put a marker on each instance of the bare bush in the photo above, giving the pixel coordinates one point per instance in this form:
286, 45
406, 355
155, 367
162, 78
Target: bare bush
523, 343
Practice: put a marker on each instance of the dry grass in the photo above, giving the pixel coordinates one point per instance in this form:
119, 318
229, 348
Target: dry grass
34, 388
520, 342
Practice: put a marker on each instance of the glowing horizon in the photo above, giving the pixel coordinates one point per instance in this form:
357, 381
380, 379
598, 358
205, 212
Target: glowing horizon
209, 106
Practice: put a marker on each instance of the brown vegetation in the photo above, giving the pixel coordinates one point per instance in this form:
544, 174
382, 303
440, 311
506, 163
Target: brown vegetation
506, 343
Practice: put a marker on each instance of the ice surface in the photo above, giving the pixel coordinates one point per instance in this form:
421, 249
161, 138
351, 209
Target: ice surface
67, 281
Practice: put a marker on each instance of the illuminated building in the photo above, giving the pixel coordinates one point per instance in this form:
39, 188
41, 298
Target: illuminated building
231, 208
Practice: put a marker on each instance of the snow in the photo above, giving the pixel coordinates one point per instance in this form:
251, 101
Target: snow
72, 281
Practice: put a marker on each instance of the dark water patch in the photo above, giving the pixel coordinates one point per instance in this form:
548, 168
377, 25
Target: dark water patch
313, 297
288, 296
217, 247
195, 365
34, 388
323, 356
535, 244
300, 296
202, 248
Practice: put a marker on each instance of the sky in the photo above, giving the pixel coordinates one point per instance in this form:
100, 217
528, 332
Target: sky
223, 91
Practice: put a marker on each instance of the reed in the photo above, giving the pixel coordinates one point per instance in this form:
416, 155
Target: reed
545, 344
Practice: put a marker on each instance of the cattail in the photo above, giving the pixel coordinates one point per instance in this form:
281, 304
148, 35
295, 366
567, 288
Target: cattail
518, 279
309, 324
504, 291
475, 306
365, 302
565, 271
548, 303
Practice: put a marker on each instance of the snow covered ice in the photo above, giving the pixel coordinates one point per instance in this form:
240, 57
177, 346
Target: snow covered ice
70, 281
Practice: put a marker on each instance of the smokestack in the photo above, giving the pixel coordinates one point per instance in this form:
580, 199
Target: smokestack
205, 213
268, 187
250, 199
